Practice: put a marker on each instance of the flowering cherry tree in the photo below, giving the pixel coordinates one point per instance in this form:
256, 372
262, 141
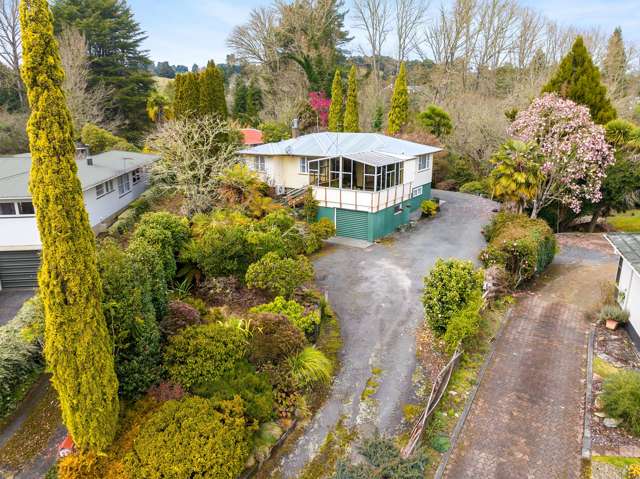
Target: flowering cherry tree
320, 104
575, 152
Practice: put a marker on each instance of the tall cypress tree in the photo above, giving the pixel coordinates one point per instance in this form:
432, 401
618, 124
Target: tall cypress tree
240, 99
351, 118
212, 98
335, 109
254, 101
187, 99
399, 111
578, 79
615, 65
77, 349
178, 96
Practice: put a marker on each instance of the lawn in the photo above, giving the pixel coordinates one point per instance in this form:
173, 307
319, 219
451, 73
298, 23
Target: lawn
627, 221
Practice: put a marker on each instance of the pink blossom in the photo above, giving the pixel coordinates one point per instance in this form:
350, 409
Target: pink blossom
320, 103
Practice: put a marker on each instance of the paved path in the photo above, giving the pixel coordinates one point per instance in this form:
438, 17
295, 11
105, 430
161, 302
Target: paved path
526, 421
376, 293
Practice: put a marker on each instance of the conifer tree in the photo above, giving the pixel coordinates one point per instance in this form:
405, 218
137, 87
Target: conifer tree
254, 101
178, 96
578, 79
212, 99
188, 97
78, 348
240, 99
615, 65
351, 118
335, 109
399, 111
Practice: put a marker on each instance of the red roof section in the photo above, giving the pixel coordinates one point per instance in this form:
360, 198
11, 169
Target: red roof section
252, 136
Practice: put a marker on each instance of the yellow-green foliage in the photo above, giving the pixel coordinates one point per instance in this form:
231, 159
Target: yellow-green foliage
305, 321
99, 140
399, 111
351, 118
464, 325
429, 207
212, 100
335, 109
78, 349
193, 437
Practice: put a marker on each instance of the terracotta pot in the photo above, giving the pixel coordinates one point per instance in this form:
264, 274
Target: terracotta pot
611, 324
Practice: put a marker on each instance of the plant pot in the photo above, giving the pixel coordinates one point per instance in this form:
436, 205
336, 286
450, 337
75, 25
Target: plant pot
611, 324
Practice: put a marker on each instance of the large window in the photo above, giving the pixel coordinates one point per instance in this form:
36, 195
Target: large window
16, 208
124, 185
348, 174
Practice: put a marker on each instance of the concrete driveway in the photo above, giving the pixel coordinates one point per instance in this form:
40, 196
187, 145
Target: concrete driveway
376, 293
10, 302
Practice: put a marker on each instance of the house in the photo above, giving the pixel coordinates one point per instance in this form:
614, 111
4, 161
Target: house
366, 183
251, 137
627, 247
110, 181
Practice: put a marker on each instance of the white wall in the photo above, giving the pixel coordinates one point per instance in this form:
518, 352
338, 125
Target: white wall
629, 285
19, 232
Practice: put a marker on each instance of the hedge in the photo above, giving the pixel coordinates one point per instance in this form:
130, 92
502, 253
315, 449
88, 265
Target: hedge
521, 245
20, 355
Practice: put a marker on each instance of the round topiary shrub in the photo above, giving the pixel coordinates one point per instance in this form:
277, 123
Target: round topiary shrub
205, 353
621, 398
179, 316
302, 318
279, 276
273, 339
193, 437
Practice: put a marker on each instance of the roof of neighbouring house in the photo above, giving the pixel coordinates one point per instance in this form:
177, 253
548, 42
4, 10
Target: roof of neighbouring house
345, 144
252, 136
627, 245
14, 170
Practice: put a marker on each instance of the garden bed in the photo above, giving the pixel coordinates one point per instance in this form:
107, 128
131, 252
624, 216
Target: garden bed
613, 351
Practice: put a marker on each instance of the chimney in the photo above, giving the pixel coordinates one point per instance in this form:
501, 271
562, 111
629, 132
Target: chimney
89, 161
295, 128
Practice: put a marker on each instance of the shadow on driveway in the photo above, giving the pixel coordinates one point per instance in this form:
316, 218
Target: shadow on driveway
10, 302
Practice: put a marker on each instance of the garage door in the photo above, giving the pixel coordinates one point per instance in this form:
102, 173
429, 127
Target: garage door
352, 224
19, 269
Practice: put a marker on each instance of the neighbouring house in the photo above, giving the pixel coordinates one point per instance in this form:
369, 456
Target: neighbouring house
627, 247
110, 181
251, 136
366, 183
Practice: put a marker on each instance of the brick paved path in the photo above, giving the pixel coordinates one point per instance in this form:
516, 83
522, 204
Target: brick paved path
526, 420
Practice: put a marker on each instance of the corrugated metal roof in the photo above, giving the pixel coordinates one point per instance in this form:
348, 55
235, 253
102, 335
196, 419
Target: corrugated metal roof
376, 158
335, 144
14, 170
628, 246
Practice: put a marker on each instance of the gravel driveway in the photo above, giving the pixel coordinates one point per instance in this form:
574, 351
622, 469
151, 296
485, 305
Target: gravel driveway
376, 293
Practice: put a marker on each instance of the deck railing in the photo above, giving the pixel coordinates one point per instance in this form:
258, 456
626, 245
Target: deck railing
360, 200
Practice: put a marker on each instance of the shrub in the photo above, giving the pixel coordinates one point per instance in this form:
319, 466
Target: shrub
179, 316
323, 228
429, 208
273, 339
282, 219
310, 206
127, 303
148, 259
310, 366
99, 140
125, 222
447, 289
205, 353
221, 251
522, 245
304, 320
634, 471
279, 276
480, 188
621, 398
254, 389
273, 131
613, 312
464, 325
20, 356
447, 185
81, 465
193, 437
176, 226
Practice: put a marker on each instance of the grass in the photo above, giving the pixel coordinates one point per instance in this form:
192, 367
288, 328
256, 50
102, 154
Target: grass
372, 384
334, 447
602, 368
35, 432
617, 461
628, 221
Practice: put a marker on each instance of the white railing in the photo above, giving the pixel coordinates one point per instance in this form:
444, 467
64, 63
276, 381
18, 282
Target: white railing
359, 200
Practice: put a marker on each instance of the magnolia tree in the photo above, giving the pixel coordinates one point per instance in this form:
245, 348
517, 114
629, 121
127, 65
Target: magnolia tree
575, 152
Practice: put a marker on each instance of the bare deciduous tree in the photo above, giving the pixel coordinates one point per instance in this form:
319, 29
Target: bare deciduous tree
255, 41
87, 105
372, 16
410, 15
10, 42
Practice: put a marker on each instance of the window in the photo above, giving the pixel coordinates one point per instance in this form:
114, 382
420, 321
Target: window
19, 208
7, 209
124, 186
136, 176
423, 162
26, 208
259, 163
397, 209
104, 188
416, 192
303, 165
99, 190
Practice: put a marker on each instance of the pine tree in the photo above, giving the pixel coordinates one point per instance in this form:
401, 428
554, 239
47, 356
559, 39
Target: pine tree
399, 111
78, 348
578, 79
212, 98
351, 118
615, 65
335, 109
240, 99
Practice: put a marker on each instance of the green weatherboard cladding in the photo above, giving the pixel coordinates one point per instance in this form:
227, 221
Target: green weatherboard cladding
372, 226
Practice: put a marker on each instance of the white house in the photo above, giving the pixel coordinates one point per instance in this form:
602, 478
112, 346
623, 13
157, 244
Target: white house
627, 247
110, 181
367, 183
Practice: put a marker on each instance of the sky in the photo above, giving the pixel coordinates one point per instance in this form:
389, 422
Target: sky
194, 31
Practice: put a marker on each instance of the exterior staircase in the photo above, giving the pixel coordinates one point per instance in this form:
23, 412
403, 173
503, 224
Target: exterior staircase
294, 197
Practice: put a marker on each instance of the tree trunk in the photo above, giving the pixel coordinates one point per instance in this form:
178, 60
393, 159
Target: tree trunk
594, 219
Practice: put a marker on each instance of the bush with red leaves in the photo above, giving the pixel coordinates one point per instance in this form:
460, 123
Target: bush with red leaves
179, 316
